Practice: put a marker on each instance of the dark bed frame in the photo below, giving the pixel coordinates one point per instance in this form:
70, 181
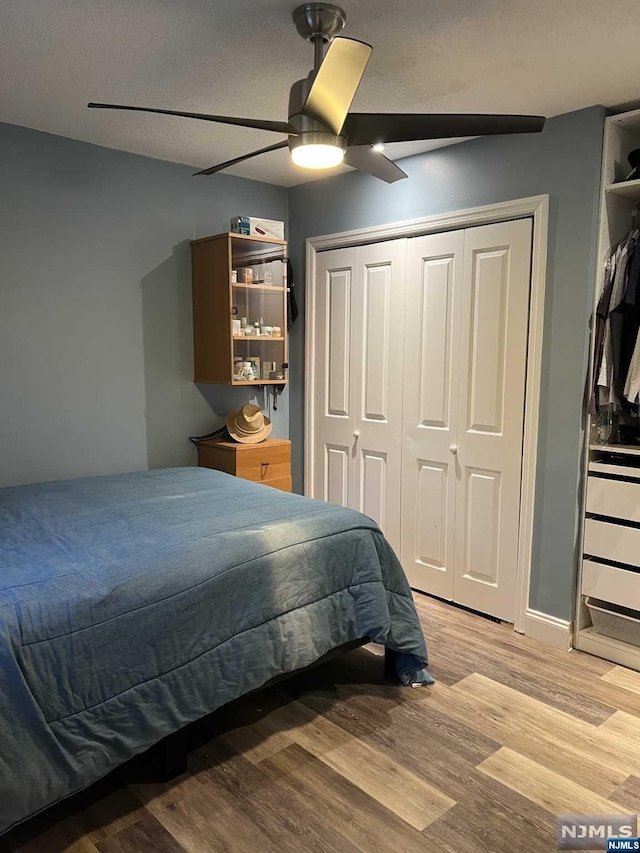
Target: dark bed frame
169, 756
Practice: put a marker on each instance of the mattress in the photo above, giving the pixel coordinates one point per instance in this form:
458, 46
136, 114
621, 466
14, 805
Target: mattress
133, 604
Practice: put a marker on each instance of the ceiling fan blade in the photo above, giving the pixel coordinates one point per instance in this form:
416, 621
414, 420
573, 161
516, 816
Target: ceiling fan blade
365, 159
336, 82
221, 166
259, 124
369, 128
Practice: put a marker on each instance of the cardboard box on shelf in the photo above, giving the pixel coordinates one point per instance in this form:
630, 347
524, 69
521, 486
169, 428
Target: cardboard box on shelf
255, 227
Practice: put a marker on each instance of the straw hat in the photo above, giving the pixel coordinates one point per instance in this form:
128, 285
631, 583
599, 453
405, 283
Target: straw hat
249, 425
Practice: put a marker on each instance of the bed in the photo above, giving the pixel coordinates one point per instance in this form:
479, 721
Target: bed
131, 605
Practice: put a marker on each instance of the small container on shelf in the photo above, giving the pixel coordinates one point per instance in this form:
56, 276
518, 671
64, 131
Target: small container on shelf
268, 368
245, 275
254, 361
244, 371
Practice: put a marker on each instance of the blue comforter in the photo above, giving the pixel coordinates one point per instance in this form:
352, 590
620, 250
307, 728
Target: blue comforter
133, 604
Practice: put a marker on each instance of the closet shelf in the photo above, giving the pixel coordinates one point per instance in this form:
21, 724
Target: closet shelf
628, 189
628, 449
267, 287
614, 469
258, 382
258, 338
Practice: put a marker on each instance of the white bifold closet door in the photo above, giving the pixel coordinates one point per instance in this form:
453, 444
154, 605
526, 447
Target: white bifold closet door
420, 351
467, 307
359, 320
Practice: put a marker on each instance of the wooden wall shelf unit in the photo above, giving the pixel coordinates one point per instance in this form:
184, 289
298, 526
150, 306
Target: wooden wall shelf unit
218, 300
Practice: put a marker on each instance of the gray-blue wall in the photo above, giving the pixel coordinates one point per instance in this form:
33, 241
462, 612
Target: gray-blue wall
96, 357
563, 161
95, 305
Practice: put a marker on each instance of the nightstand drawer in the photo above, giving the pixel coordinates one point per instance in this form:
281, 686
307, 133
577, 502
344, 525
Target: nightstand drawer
284, 484
264, 463
268, 462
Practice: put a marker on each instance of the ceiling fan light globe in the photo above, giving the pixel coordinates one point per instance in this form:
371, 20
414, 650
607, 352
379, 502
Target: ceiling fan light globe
317, 150
317, 156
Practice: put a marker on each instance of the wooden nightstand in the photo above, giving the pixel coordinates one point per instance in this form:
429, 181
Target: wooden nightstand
268, 462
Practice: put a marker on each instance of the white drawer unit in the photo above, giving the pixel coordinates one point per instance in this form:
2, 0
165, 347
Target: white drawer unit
610, 575
613, 542
614, 498
612, 584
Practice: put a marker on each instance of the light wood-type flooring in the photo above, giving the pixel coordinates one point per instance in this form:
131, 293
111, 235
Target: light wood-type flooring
340, 761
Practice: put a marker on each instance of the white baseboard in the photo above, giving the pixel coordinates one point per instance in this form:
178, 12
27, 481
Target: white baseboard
548, 629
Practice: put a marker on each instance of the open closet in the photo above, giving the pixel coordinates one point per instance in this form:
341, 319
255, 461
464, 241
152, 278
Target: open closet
608, 608
418, 392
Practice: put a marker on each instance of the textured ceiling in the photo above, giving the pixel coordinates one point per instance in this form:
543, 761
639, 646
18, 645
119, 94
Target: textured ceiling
239, 57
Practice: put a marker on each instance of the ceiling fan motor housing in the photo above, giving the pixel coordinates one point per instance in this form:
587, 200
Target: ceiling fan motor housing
308, 130
319, 21
297, 98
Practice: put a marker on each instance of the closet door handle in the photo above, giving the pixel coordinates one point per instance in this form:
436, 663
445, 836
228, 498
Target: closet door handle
453, 450
356, 434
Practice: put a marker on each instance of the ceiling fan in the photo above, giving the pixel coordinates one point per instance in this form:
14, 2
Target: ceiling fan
322, 133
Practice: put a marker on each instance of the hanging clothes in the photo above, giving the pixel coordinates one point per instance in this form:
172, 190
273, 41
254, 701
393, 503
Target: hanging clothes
615, 378
630, 353
612, 333
602, 310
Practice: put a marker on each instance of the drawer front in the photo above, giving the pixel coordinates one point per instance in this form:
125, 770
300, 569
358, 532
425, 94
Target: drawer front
213, 457
615, 498
262, 464
609, 583
282, 483
612, 542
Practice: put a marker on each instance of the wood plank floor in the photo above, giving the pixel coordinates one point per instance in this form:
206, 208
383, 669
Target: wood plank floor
340, 761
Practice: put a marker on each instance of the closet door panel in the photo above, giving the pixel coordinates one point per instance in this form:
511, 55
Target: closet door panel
493, 351
336, 475
431, 515
373, 495
487, 361
337, 339
376, 300
334, 392
378, 310
431, 364
434, 344
479, 547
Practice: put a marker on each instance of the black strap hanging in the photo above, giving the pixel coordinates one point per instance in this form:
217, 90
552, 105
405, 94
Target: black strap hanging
292, 305
221, 432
